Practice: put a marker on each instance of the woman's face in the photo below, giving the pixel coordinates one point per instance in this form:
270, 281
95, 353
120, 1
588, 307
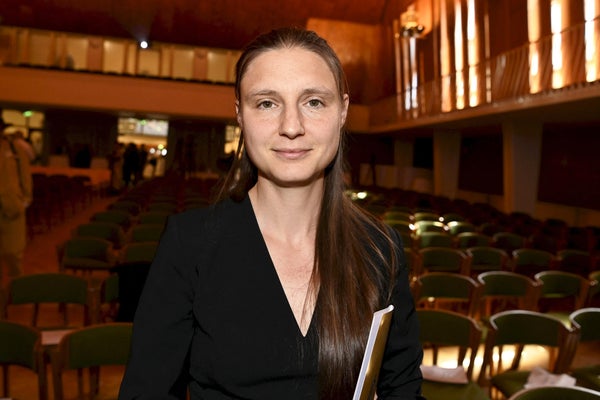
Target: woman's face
291, 115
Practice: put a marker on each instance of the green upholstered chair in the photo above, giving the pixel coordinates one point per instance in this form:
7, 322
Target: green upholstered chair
90, 348
508, 241
443, 259
505, 290
434, 239
20, 345
464, 240
485, 258
146, 233
59, 288
446, 290
457, 333
562, 292
85, 254
138, 252
531, 261
153, 217
576, 261
120, 217
456, 227
522, 328
588, 322
110, 231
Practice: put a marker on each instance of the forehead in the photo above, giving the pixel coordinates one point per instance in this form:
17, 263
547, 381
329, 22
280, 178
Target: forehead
288, 66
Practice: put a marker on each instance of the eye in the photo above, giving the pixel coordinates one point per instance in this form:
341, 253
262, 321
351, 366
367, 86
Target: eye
266, 104
315, 103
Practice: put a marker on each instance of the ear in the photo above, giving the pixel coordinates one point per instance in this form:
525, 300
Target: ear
238, 115
345, 105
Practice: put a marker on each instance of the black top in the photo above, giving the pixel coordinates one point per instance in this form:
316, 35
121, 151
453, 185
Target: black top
213, 312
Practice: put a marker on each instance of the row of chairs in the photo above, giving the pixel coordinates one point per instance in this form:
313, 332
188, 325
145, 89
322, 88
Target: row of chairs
549, 291
85, 348
551, 235
474, 260
463, 234
512, 330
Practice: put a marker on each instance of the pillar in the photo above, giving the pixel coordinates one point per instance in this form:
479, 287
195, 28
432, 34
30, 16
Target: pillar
522, 149
446, 160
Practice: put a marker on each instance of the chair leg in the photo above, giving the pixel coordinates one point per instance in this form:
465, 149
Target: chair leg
57, 381
80, 383
94, 381
42, 377
5, 380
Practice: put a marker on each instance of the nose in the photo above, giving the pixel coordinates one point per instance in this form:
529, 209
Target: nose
291, 123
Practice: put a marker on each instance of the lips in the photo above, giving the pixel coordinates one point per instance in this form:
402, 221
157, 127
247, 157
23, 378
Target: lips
291, 154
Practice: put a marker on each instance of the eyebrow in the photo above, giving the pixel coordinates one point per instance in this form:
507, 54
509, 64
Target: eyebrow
308, 91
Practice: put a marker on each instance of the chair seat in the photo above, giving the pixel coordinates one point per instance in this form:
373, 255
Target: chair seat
447, 391
588, 376
510, 382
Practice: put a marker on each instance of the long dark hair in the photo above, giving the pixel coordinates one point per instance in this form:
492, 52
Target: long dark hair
352, 275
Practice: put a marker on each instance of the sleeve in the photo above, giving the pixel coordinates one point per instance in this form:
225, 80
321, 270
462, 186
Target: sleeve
163, 324
400, 375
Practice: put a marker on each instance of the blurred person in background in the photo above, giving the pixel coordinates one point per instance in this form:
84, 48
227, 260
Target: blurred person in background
15, 197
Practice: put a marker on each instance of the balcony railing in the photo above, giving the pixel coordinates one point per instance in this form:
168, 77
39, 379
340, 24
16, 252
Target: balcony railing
519, 73
49, 49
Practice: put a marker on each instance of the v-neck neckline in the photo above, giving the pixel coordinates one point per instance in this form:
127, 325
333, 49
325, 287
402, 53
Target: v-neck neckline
275, 276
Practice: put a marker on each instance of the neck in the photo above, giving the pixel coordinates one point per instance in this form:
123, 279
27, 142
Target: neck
290, 213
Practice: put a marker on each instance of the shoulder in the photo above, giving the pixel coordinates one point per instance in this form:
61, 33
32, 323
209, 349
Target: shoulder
208, 220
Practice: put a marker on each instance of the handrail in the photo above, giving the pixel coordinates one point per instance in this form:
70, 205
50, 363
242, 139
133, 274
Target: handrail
508, 76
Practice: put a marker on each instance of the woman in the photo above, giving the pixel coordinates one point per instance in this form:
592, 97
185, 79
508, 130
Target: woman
270, 293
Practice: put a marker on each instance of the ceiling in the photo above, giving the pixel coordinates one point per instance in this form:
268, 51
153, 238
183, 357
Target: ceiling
211, 23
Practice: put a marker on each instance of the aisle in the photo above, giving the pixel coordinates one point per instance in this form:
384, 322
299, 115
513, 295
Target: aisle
40, 254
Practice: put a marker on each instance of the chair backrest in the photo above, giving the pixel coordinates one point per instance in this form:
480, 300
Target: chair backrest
138, 252
556, 393
442, 259
588, 321
20, 345
426, 216
434, 239
564, 285
508, 241
86, 253
50, 287
507, 285
453, 217
163, 206
446, 328
104, 230
464, 240
146, 233
429, 226
446, 289
397, 215
130, 206
456, 227
91, 347
531, 261
153, 217
594, 291
401, 226
120, 217
485, 258
521, 328
575, 261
